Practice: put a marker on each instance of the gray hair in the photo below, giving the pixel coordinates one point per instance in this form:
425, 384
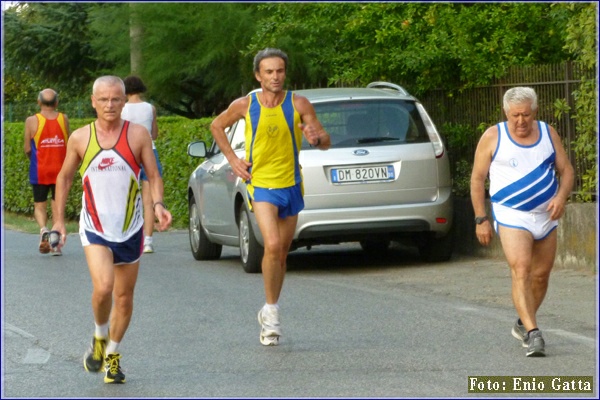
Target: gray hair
520, 95
108, 80
269, 53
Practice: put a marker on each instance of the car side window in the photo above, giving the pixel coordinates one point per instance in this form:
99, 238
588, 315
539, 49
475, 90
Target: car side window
238, 138
235, 135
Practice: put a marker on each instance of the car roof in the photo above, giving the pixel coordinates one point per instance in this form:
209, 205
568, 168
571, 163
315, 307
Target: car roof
324, 95
375, 90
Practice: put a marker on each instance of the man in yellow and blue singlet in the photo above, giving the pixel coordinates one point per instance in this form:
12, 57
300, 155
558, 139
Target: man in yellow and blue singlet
276, 119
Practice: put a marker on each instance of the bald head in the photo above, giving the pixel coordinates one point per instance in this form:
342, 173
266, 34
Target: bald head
48, 97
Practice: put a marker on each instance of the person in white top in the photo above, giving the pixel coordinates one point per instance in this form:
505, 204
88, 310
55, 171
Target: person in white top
141, 112
524, 158
110, 153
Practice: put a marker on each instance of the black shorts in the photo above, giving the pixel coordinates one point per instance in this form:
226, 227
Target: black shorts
40, 192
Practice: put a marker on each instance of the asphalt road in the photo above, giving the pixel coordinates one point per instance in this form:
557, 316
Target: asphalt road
353, 326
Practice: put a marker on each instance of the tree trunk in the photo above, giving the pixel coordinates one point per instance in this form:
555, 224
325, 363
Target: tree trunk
135, 38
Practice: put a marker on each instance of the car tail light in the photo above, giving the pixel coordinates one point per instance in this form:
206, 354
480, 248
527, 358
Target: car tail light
434, 136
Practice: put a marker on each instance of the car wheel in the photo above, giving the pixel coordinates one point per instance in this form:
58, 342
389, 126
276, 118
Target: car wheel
251, 252
375, 247
202, 248
432, 249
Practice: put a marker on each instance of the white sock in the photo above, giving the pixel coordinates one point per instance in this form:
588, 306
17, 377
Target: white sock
271, 307
112, 347
147, 240
101, 330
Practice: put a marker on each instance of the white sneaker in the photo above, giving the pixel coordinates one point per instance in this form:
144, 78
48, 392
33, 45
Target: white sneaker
56, 251
270, 328
148, 248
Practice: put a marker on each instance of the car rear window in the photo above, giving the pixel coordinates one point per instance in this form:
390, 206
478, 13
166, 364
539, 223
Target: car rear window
371, 123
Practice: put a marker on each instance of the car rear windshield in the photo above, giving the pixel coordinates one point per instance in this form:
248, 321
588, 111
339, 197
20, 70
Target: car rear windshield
371, 123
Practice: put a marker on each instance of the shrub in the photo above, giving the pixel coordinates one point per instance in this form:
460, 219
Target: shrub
175, 133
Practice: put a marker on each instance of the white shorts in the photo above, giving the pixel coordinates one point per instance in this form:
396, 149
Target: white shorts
539, 224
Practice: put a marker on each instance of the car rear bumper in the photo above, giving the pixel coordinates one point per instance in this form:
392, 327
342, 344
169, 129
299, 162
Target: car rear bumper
358, 223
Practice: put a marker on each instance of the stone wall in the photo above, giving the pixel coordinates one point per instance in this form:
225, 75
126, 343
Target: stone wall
577, 236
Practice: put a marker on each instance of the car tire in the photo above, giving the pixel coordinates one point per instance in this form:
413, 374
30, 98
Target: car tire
251, 252
432, 249
202, 248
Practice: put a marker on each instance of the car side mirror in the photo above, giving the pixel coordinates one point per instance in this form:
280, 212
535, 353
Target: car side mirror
197, 149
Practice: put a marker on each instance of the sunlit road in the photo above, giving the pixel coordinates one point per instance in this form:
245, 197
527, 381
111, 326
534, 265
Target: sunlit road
353, 326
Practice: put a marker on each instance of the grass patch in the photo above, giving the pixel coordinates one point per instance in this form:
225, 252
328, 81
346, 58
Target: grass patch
27, 224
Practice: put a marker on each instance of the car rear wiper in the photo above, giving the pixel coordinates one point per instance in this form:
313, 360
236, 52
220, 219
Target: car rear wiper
376, 139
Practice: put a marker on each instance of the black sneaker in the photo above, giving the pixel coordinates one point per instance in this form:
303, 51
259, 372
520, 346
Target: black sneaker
535, 344
113, 369
94, 357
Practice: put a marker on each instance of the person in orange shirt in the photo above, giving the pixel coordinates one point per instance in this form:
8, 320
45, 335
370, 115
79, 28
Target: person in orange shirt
46, 136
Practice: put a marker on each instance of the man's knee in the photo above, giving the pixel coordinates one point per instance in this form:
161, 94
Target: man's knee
40, 205
541, 276
103, 290
124, 301
272, 249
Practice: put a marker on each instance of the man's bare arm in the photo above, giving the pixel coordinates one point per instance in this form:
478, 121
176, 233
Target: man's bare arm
236, 111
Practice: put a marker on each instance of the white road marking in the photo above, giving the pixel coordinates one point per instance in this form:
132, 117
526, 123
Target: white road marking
569, 335
35, 355
13, 329
574, 336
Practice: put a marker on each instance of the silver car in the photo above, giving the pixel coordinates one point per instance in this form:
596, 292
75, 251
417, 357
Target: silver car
385, 178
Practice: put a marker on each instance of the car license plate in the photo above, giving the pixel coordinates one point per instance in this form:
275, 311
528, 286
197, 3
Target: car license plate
363, 174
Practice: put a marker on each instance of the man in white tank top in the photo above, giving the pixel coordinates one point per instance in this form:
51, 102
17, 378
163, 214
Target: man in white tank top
143, 113
523, 157
110, 153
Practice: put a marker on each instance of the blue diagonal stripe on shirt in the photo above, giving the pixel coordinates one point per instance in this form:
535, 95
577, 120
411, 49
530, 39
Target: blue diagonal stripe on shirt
538, 186
288, 112
254, 112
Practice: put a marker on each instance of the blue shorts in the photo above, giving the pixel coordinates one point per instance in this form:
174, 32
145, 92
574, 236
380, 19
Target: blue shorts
289, 201
127, 252
539, 224
158, 164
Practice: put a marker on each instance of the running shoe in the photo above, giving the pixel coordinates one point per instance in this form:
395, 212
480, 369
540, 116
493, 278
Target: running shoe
148, 248
44, 241
519, 331
56, 252
535, 344
270, 328
94, 356
112, 369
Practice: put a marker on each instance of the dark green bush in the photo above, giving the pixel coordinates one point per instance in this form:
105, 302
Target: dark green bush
175, 133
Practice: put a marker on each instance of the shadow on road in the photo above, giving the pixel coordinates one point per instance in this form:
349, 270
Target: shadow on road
352, 257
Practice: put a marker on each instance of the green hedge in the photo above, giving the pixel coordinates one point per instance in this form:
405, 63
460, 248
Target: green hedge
175, 133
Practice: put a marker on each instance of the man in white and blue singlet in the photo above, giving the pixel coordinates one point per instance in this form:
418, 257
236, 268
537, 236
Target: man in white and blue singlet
110, 153
523, 156
271, 169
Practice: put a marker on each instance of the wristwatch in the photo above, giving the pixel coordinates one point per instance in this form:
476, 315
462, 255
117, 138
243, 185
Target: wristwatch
480, 220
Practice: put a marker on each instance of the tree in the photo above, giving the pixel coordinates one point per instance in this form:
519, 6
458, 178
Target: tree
582, 42
48, 43
419, 45
192, 61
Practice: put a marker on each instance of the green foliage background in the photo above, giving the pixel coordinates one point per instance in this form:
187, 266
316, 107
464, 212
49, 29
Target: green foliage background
197, 57
175, 133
